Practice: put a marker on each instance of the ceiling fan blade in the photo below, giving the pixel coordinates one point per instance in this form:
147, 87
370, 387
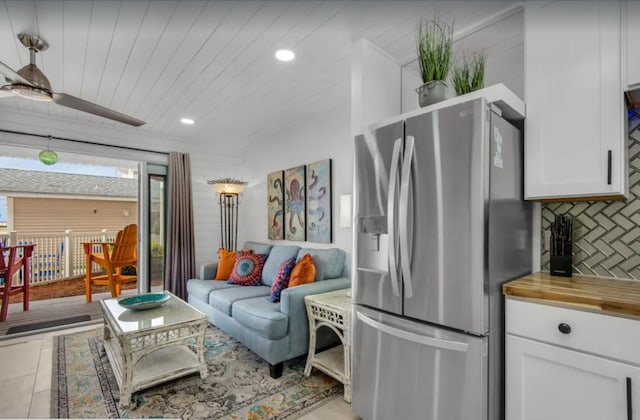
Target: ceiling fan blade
12, 76
86, 106
5, 92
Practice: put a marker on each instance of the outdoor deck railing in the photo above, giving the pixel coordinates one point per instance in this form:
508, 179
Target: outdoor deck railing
57, 255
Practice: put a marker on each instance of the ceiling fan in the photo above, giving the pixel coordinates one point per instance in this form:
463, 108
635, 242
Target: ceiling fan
30, 83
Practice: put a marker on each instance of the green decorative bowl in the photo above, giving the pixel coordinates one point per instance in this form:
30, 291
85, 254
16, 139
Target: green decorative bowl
144, 301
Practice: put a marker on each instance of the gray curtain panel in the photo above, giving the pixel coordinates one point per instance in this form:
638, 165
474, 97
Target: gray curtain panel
180, 251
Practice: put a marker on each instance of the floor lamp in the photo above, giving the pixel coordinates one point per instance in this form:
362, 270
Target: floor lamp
228, 190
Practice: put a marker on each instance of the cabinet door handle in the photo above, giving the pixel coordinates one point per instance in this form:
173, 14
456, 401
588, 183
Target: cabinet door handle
564, 328
629, 405
608, 167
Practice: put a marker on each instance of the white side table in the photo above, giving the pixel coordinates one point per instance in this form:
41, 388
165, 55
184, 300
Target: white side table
332, 310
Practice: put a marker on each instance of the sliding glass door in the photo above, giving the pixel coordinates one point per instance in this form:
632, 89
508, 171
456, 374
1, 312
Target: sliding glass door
152, 217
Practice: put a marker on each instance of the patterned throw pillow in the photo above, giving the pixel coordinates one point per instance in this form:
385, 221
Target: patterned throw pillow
304, 272
247, 270
281, 281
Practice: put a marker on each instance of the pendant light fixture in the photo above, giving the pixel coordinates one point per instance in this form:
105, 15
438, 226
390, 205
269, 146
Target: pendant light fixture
48, 156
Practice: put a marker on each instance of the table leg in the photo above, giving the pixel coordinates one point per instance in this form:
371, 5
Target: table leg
127, 382
25, 284
204, 371
312, 346
347, 371
106, 335
87, 277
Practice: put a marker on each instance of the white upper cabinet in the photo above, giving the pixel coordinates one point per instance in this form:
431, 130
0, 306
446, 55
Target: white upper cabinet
575, 138
632, 17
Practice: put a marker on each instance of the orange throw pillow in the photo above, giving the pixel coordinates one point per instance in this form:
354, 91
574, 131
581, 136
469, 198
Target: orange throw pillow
304, 272
226, 260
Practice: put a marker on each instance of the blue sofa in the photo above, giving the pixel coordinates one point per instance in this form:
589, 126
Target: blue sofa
274, 331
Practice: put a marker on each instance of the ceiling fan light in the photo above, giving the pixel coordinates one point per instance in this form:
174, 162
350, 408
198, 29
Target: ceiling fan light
48, 157
32, 93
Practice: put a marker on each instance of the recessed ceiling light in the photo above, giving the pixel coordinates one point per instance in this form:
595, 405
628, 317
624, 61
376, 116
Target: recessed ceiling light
285, 55
186, 121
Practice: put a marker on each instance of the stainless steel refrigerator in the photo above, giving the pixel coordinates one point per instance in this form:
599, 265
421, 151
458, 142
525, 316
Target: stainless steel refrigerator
441, 224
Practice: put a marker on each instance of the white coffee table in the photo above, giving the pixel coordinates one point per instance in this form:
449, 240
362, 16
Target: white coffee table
156, 345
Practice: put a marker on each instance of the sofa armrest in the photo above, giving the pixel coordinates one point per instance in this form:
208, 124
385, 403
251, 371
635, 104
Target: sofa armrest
208, 271
292, 299
292, 304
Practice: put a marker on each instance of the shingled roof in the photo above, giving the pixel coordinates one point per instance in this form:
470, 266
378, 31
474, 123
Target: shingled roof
37, 182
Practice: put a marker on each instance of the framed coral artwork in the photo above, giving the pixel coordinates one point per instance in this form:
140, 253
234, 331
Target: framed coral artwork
275, 205
295, 205
319, 220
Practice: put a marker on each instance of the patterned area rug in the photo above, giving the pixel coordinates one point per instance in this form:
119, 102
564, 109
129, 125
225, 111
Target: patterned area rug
238, 385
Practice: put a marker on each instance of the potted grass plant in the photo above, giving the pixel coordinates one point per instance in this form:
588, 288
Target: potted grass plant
434, 47
469, 75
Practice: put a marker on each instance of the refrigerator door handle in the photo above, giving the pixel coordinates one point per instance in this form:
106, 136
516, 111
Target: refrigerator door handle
392, 221
416, 338
405, 253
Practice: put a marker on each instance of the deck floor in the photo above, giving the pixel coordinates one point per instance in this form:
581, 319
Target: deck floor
50, 309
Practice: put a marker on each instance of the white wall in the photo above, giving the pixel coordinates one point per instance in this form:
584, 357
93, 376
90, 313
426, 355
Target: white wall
326, 136
207, 162
375, 86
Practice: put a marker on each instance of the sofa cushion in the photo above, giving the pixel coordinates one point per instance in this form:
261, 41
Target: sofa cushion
201, 288
222, 300
329, 262
247, 270
278, 255
262, 316
257, 247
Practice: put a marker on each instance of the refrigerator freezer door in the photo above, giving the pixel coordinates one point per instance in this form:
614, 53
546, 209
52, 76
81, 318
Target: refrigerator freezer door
377, 277
445, 222
407, 370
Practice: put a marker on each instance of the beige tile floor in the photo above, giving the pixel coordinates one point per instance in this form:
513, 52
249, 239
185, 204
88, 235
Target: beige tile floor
25, 380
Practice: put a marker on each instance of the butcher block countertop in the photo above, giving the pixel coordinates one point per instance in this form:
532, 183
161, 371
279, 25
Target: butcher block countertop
611, 296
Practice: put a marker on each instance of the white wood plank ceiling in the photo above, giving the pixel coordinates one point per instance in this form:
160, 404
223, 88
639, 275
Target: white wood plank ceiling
210, 60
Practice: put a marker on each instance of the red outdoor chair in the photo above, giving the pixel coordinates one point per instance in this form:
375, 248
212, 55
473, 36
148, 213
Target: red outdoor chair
12, 259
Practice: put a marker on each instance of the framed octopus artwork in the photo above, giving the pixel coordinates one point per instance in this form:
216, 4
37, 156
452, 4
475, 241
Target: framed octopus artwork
319, 201
275, 205
295, 204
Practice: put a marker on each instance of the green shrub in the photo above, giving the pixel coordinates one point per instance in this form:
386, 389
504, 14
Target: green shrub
433, 44
157, 250
469, 76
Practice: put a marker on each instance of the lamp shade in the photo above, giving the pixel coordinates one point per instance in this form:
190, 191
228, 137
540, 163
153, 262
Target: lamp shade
229, 186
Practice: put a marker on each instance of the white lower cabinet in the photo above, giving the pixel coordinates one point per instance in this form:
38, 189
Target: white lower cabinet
553, 381
547, 382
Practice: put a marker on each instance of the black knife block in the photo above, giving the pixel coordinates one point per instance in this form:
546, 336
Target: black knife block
561, 265
561, 246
